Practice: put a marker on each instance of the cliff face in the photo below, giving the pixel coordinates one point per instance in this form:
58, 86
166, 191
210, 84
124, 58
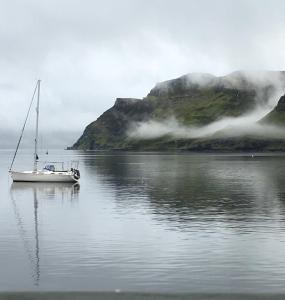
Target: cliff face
193, 100
109, 130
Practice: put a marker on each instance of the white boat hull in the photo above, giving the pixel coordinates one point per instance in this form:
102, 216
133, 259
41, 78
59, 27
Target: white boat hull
43, 176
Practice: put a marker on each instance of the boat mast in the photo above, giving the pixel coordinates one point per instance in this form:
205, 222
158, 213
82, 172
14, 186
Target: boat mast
37, 129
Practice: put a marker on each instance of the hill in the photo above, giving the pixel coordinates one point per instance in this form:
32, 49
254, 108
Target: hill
193, 101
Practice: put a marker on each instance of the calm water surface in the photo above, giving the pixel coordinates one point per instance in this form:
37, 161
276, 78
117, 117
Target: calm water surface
146, 222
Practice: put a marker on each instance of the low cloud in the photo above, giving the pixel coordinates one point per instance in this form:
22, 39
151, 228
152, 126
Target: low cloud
226, 127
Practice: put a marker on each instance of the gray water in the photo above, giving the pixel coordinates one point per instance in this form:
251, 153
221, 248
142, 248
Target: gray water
146, 222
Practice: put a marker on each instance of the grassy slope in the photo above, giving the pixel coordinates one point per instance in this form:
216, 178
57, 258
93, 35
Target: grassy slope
202, 106
275, 117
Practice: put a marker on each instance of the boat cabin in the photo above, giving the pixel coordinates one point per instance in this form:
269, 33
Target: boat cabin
49, 168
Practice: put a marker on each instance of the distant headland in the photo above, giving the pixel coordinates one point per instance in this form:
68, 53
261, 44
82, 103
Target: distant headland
242, 111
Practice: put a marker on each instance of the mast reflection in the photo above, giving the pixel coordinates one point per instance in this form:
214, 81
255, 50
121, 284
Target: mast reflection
23, 191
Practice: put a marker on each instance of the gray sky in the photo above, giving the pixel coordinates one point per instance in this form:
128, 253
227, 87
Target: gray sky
89, 52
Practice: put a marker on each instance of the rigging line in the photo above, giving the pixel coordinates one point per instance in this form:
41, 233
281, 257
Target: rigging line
22, 132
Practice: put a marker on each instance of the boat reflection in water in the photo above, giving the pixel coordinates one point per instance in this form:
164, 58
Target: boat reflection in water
24, 194
46, 190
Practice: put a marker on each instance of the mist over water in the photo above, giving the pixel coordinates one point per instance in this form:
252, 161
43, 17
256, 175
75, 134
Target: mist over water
51, 139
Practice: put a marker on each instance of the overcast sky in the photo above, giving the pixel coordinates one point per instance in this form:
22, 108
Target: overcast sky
90, 52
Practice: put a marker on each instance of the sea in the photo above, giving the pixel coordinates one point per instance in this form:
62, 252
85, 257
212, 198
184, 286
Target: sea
146, 222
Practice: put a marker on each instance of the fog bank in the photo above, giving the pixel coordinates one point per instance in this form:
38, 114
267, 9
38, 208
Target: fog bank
226, 127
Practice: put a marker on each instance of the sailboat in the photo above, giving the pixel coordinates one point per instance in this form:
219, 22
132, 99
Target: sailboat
49, 173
